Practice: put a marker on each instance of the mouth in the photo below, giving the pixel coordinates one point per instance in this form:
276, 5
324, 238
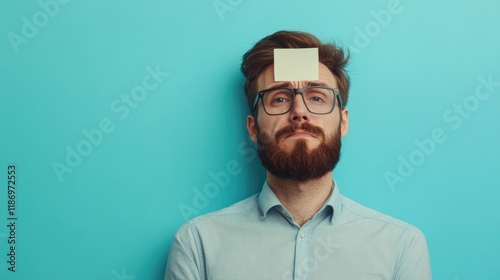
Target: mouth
300, 133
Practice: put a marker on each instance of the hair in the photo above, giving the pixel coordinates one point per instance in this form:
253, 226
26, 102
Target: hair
261, 55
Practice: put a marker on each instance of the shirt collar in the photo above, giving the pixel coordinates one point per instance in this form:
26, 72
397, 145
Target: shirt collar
267, 200
335, 203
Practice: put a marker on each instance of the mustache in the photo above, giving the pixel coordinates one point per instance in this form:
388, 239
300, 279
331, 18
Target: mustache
307, 127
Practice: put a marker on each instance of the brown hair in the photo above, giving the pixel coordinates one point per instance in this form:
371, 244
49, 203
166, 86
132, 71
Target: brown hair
260, 56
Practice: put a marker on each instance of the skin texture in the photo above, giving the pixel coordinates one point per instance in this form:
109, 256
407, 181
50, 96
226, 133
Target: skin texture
301, 199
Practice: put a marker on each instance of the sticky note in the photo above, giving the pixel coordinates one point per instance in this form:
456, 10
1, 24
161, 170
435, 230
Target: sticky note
296, 64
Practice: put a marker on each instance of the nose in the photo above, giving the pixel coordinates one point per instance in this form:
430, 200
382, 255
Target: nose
299, 112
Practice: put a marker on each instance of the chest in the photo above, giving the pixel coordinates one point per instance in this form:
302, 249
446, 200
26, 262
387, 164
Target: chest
339, 254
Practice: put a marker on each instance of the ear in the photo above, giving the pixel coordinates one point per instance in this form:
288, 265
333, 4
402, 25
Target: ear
252, 128
344, 122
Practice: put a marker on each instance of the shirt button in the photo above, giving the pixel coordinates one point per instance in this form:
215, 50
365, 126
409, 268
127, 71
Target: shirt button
302, 235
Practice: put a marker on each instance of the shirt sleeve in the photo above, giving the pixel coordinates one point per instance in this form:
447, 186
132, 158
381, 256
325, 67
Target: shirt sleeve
414, 262
184, 261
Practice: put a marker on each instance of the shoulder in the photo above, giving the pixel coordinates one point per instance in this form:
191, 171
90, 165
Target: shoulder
238, 208
238, 211
356, 212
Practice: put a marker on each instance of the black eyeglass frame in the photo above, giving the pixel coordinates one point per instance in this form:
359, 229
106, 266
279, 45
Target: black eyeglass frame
296, 91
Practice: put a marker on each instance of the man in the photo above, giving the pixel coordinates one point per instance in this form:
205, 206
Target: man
299, 226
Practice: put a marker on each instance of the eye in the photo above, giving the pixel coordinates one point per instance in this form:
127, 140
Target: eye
278, 97
279, 100
318, 96
317, 99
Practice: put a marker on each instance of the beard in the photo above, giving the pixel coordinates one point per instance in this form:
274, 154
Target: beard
301, 163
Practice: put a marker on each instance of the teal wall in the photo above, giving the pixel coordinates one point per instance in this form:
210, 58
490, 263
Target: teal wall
126, 118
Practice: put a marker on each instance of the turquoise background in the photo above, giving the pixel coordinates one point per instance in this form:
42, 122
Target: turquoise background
114, 215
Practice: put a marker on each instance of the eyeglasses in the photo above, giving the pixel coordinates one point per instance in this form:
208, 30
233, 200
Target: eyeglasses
318, 100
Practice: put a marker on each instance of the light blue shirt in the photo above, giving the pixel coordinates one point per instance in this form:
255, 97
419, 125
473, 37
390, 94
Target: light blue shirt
258, 239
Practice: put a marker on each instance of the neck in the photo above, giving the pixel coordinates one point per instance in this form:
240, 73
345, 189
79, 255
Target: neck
301, 199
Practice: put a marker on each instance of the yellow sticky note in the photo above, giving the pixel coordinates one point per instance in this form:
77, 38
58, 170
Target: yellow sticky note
296, 64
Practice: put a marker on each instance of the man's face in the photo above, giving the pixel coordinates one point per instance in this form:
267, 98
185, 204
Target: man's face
298, 145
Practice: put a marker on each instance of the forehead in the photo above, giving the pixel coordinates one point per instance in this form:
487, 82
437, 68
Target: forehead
266, 78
